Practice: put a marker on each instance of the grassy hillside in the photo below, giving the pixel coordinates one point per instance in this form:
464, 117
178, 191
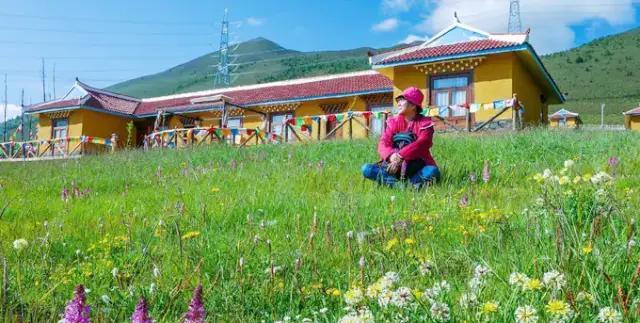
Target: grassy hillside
301, 219
606, 70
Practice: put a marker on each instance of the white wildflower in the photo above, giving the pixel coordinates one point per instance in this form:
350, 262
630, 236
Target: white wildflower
480, 271
152, 288
554, 280
609, 315
20, 244
568, 163
601, 178
114, 272
631, 244
468, 300
353, 296
402, 297
586, 297
526, 314
425, 268
363, 315
440, 312
518, 280
156, 271
385, 298
323, 310
444, 285
105, 299
392, 276
475, 283
546, 174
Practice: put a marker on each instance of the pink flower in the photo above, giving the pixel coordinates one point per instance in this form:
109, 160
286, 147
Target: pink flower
486, 173
77, 310
464, 201
196, 312
141, 314
65, 195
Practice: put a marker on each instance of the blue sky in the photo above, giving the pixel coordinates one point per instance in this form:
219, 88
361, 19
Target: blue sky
104, 42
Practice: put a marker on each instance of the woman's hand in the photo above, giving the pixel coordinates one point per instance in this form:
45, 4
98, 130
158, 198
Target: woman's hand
394, 167
395, 158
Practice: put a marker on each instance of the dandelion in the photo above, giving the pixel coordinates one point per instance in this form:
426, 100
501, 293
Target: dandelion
518, 280
554, 280
440, 312
391, 244
559, 309
546, 174
20, 244
362, 315
392, 276
585, 297
475, 283
568, 163
77, 310
601, 178
425, 267
353, 296
141, 313
533, 284
587, 249
468, 300
481, 271
526, 314
489, 308
385, 298
196, 312
402, 297
564, 180
609, 315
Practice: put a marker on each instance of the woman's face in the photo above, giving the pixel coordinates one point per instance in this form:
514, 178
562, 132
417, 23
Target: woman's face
404, 107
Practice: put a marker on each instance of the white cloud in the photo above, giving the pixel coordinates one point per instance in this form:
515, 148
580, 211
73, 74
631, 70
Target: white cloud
386, 25
550, 20
413, 38
397, 5
253, 21
13, 110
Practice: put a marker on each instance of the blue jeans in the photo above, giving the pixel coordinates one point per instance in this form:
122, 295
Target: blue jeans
425, 176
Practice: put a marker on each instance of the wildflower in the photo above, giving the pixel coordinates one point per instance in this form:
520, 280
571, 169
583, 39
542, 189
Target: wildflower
533, 284
190, 235
353, 296
468, 300
472, 177
152, 288
215, 189
577, 179
587, 249
156, 271
362, 315
141, 313
20, 244
402, 297
464, 201
489, 308
392, 198
334, 292
409, 241
585, 297
425, 267
600, 178
196, 312
391, 244
77, 310
323, 310
526, 314
609, 315
564, 180
518, 280
568, 163
475, 283
631, 244
385, 298
392, 276
559, 309
481, 271
546, 174
440, 312
105, 299
486, 173
613, 164
114, 272
554, 280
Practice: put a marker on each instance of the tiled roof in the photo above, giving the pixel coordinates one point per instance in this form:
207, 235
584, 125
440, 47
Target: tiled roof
447, 50
301, 89
563, 113
633, 112
53, 105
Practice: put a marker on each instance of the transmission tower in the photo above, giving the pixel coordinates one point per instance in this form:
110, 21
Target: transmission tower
515, 24
222, 75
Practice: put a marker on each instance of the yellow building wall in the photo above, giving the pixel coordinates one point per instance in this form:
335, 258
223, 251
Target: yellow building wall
571, 123
313, 108
102, 125
634, 122
535, 112
45, 131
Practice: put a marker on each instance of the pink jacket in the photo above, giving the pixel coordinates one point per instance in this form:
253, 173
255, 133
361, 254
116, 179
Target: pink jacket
421, 126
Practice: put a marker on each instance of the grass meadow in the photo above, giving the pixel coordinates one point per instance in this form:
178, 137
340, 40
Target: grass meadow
547, 232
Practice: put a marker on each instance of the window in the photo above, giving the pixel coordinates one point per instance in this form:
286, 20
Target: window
377, 123
60, 128
234, 123
450, 91
277, 123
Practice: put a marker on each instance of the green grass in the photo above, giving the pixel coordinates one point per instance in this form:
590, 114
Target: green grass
274, 192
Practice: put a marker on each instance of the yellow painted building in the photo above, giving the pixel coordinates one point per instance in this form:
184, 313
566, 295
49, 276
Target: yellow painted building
632, 119
565, 119
465, 68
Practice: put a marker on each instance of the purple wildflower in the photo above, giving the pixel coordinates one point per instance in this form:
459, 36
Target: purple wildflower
613, 164
473, 177
77, 310
464, 201
141, 314
486, 173
65, 194
196, 312
234, 164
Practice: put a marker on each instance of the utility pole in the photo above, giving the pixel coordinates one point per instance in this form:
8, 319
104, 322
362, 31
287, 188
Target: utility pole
22, 116
54, 81
44, 89
515, 24
602, 115
4, 136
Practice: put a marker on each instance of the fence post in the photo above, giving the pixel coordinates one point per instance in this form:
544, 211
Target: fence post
114, 142
286, 131
514, 113
350, 127
468, 121
319, 126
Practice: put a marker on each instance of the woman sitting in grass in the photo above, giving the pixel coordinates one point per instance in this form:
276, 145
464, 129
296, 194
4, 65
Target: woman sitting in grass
405, 145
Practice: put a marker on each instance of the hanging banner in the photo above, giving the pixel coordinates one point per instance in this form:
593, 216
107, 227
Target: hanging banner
308, 121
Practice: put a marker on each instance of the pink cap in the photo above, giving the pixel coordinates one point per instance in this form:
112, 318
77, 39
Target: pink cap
413, 95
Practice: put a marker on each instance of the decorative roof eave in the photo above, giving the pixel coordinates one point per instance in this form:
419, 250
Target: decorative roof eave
318, 97
56, 109
81, 107
453, 57
546, 73
633, 112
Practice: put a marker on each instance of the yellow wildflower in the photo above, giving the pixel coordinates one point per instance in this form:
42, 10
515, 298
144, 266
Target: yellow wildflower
334, 292
577, 179
564, 180
533, 284
409, 241
316, 285
215, 189
190, 234
587, 249
489, 307
587, 177
558, 308
391, 244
